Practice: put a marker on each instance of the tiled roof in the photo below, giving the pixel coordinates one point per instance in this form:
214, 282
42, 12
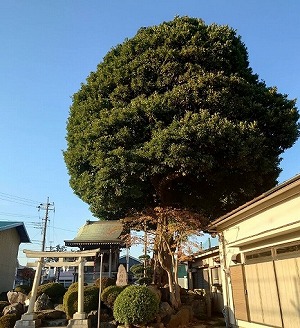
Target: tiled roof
98, 232
19, 226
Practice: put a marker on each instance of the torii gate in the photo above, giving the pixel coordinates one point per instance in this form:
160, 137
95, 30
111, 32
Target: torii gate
29, 319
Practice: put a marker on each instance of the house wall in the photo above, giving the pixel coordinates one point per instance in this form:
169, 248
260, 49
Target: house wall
206, 276
9, 245
260, 257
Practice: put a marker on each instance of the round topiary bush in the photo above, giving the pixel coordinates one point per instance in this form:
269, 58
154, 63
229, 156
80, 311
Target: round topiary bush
54, 290
105, 282
25, 289
8, 320
74, 285
136, 305
70, 301
110, 293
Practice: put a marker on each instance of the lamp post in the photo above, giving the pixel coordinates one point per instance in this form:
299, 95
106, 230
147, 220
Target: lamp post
100, 290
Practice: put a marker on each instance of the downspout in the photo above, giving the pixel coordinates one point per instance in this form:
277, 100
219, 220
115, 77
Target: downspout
226, 270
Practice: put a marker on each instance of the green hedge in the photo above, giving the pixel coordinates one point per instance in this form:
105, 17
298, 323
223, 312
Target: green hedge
110, 293
25, 289
70, 301
8, 320
105, 282
136, 305
54, 290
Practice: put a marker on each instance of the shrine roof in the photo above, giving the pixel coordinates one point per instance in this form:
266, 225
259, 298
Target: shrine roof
98, 233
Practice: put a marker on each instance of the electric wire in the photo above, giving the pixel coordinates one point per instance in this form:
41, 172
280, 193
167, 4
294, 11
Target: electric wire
18, 200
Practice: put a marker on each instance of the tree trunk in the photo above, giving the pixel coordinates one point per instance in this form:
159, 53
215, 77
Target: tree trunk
166, 261
175, 302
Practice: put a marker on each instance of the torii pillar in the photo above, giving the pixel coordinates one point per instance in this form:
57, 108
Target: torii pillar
29, 319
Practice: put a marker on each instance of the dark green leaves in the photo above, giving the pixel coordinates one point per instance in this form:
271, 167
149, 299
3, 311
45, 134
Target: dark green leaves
175, 117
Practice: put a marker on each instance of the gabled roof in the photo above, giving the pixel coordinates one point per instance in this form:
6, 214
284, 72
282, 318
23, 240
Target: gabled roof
98, 233
19, 226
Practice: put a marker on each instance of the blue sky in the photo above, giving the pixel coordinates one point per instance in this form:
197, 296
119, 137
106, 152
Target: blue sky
48, 48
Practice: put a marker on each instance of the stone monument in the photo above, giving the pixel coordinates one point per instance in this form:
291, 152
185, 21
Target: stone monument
122, 277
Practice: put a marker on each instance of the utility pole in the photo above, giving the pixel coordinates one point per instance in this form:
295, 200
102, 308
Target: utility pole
47, 207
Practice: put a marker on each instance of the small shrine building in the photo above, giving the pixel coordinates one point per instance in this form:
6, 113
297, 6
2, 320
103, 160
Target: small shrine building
105, 236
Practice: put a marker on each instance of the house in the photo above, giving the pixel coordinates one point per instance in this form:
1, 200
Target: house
105, 235
128, 261
260, 259
205, 277
11, 235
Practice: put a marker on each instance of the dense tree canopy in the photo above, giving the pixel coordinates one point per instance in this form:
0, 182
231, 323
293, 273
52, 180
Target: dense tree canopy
176, 117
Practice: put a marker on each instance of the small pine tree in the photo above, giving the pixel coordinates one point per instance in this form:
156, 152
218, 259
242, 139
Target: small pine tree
143, 272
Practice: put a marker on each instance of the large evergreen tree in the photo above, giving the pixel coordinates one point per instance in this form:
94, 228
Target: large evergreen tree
175, 117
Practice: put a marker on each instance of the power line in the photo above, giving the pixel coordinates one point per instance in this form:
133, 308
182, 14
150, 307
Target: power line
18, 215
56, 228
18, 197
18, 200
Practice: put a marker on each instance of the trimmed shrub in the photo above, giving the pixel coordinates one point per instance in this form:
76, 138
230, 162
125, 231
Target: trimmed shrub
8, 320
70, 301
105, 282
25, 289
136, 305
53, 289
74, 285
110, 293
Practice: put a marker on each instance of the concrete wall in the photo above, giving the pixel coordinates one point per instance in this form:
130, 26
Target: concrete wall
9, 245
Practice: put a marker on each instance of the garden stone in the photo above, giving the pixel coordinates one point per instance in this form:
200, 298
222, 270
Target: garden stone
165, 309
16, 308
16, 297
42, 303
155, 325
181, 318
53, 314
108, 324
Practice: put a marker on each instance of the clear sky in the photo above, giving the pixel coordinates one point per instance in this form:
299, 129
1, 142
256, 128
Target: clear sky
48, 48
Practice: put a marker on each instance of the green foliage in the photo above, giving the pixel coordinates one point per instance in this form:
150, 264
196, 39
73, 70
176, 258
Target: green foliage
175, 117
70, 300
144, 281
73, 286
8, 320
25, 289
54, 290
105, 282
142, 274
110, 293
136, 305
